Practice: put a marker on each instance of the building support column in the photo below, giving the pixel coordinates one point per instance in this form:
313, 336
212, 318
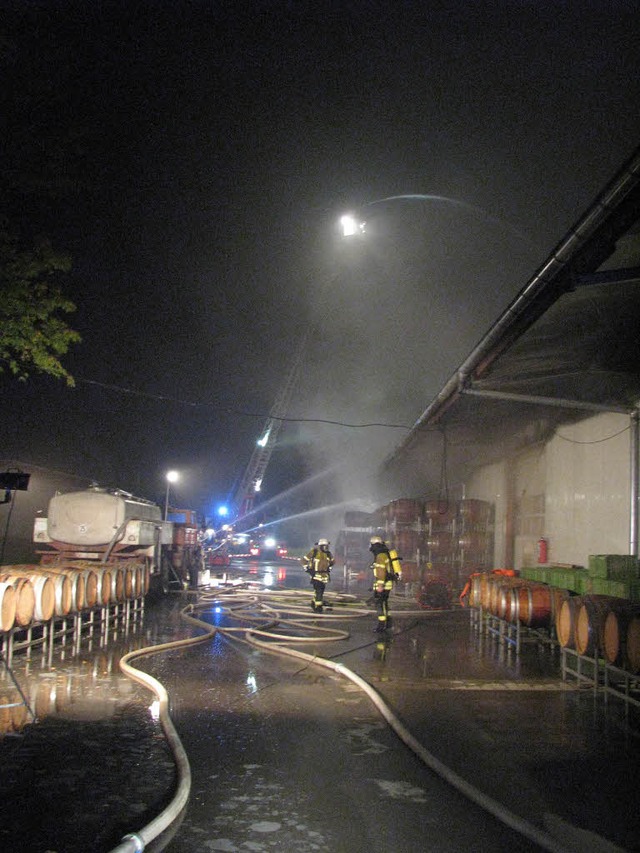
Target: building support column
635, 480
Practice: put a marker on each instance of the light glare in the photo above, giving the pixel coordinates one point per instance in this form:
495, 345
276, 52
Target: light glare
351, 226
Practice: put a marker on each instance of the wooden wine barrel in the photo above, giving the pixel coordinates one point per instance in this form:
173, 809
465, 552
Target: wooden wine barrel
84, 574
485, 590
25, 597
512, 608
410, 574
500, 593
494, 596
566, 621
138, 577
474, 542
117, 584
62, 592
589, 625
614, 635
474, 511
90, 588
509, 608
534, 605
43, 589
407, 543
558, 595
404, 511
7, 606
441, 542
103, 586
129, 582
440, 512
475, 593
76, 584
633, 644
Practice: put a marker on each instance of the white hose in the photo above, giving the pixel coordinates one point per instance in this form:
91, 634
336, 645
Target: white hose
136, 842
472, 793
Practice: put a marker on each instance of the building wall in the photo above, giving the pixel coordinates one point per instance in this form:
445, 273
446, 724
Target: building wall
17, 518
573, 491
489, 484
587, 493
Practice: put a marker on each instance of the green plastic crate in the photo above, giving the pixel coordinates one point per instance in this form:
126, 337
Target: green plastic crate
620, 567
603, 586
580, 581
533, 573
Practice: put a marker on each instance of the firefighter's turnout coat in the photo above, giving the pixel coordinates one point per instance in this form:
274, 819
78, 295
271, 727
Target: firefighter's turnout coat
386, 569
317, 563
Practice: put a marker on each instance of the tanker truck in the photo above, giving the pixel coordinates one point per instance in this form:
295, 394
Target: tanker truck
113, 527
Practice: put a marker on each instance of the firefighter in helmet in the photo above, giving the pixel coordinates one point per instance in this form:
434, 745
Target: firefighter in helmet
317, 563
386, 570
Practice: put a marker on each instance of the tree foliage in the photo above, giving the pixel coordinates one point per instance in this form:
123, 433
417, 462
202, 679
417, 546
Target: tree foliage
33, 332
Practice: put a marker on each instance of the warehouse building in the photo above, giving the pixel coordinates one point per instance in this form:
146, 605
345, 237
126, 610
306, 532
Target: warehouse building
540, 422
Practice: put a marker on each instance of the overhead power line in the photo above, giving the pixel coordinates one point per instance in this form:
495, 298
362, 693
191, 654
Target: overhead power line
240, 412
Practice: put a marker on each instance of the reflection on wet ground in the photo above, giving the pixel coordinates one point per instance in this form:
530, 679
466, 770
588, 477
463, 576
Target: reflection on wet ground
96, 765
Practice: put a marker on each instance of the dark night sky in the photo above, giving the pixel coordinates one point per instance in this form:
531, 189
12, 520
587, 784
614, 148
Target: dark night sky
193, 157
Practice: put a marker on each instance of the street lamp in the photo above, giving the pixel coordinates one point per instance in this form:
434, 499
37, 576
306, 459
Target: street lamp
355, 224
172, 477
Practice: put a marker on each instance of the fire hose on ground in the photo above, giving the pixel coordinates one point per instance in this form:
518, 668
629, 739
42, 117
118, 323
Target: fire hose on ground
263, 636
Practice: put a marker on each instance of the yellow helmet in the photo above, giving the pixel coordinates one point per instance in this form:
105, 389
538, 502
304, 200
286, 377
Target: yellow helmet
376, 540
322, 542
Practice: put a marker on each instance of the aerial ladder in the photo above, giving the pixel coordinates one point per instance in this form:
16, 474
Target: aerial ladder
253, 477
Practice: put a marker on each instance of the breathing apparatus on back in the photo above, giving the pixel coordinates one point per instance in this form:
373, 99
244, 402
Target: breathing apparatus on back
379, 546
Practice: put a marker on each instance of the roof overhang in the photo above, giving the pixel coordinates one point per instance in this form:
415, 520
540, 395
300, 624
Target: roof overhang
568, 345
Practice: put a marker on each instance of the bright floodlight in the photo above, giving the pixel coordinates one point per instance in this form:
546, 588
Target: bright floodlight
262, 442
269, 543
350, 225
172, 477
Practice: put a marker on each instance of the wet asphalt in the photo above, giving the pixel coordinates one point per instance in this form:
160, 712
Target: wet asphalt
286, 755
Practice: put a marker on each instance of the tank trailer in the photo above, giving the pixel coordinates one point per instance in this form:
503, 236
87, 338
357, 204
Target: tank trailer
115, 527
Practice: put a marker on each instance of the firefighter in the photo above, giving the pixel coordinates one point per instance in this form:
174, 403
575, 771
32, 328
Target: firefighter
386, 570
317, 563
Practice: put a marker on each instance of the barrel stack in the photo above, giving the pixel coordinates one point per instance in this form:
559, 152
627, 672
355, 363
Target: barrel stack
35, 594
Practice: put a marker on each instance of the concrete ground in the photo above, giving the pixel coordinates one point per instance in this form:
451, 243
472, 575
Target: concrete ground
287, 755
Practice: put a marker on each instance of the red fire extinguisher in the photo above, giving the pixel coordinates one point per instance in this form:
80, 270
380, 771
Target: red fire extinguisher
543, 550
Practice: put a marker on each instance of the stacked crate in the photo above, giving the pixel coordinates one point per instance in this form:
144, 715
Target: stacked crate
614, 574
440, 545
402, 520
561, 576
459, 538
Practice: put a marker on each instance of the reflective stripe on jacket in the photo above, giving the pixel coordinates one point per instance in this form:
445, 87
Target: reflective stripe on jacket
320, 562
382, 571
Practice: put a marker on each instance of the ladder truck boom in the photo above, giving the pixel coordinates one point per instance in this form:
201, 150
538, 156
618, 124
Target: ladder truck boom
251, 482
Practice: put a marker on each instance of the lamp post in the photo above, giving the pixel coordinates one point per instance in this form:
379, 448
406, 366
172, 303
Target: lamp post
355, 224
172, 477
